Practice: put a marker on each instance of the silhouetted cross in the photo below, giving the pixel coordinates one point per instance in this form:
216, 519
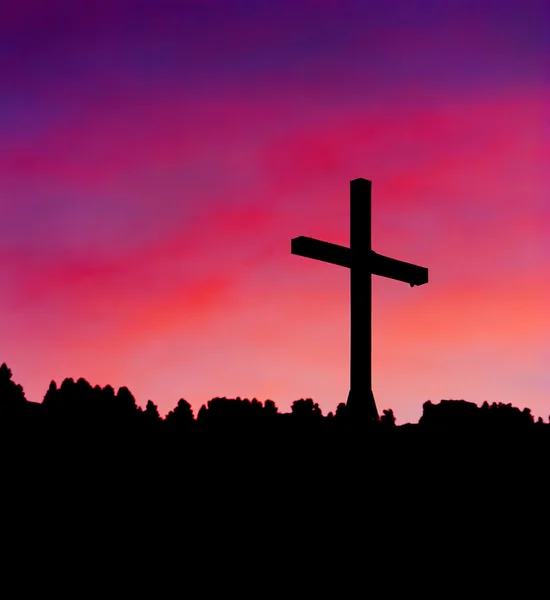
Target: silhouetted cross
362, 262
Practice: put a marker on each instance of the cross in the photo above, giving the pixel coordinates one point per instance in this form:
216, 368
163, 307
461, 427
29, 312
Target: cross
362, 262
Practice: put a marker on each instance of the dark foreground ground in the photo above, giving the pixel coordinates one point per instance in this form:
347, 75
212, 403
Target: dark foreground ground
293, 505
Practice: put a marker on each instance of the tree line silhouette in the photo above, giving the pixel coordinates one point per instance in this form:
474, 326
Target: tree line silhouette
77, 404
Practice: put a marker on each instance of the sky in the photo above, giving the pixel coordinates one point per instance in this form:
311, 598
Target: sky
157, 157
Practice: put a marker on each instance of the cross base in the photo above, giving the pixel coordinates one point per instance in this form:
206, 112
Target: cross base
362, 407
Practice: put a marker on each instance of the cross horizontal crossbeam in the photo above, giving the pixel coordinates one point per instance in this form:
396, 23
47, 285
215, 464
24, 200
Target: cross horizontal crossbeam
381, 265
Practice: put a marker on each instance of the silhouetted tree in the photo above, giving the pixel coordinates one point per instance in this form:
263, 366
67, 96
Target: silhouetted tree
181, 417
202, 415
340, 414
124, 410
270, 408
50, 397
62, 403
12, 397
448, 414
108, 393
231, 414
151, 413
506, 415
388, 418
306, 410
459, 414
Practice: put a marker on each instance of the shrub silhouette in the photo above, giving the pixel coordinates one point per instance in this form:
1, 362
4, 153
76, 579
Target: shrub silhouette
448, 414
306, 410
459, 414
388, 418
236, 414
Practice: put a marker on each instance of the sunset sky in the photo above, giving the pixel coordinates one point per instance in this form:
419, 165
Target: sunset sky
157, 157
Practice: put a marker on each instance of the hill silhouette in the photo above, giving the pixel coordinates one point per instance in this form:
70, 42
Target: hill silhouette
88, 462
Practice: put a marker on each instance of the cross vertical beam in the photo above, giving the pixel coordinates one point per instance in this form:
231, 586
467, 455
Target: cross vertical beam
361, 399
